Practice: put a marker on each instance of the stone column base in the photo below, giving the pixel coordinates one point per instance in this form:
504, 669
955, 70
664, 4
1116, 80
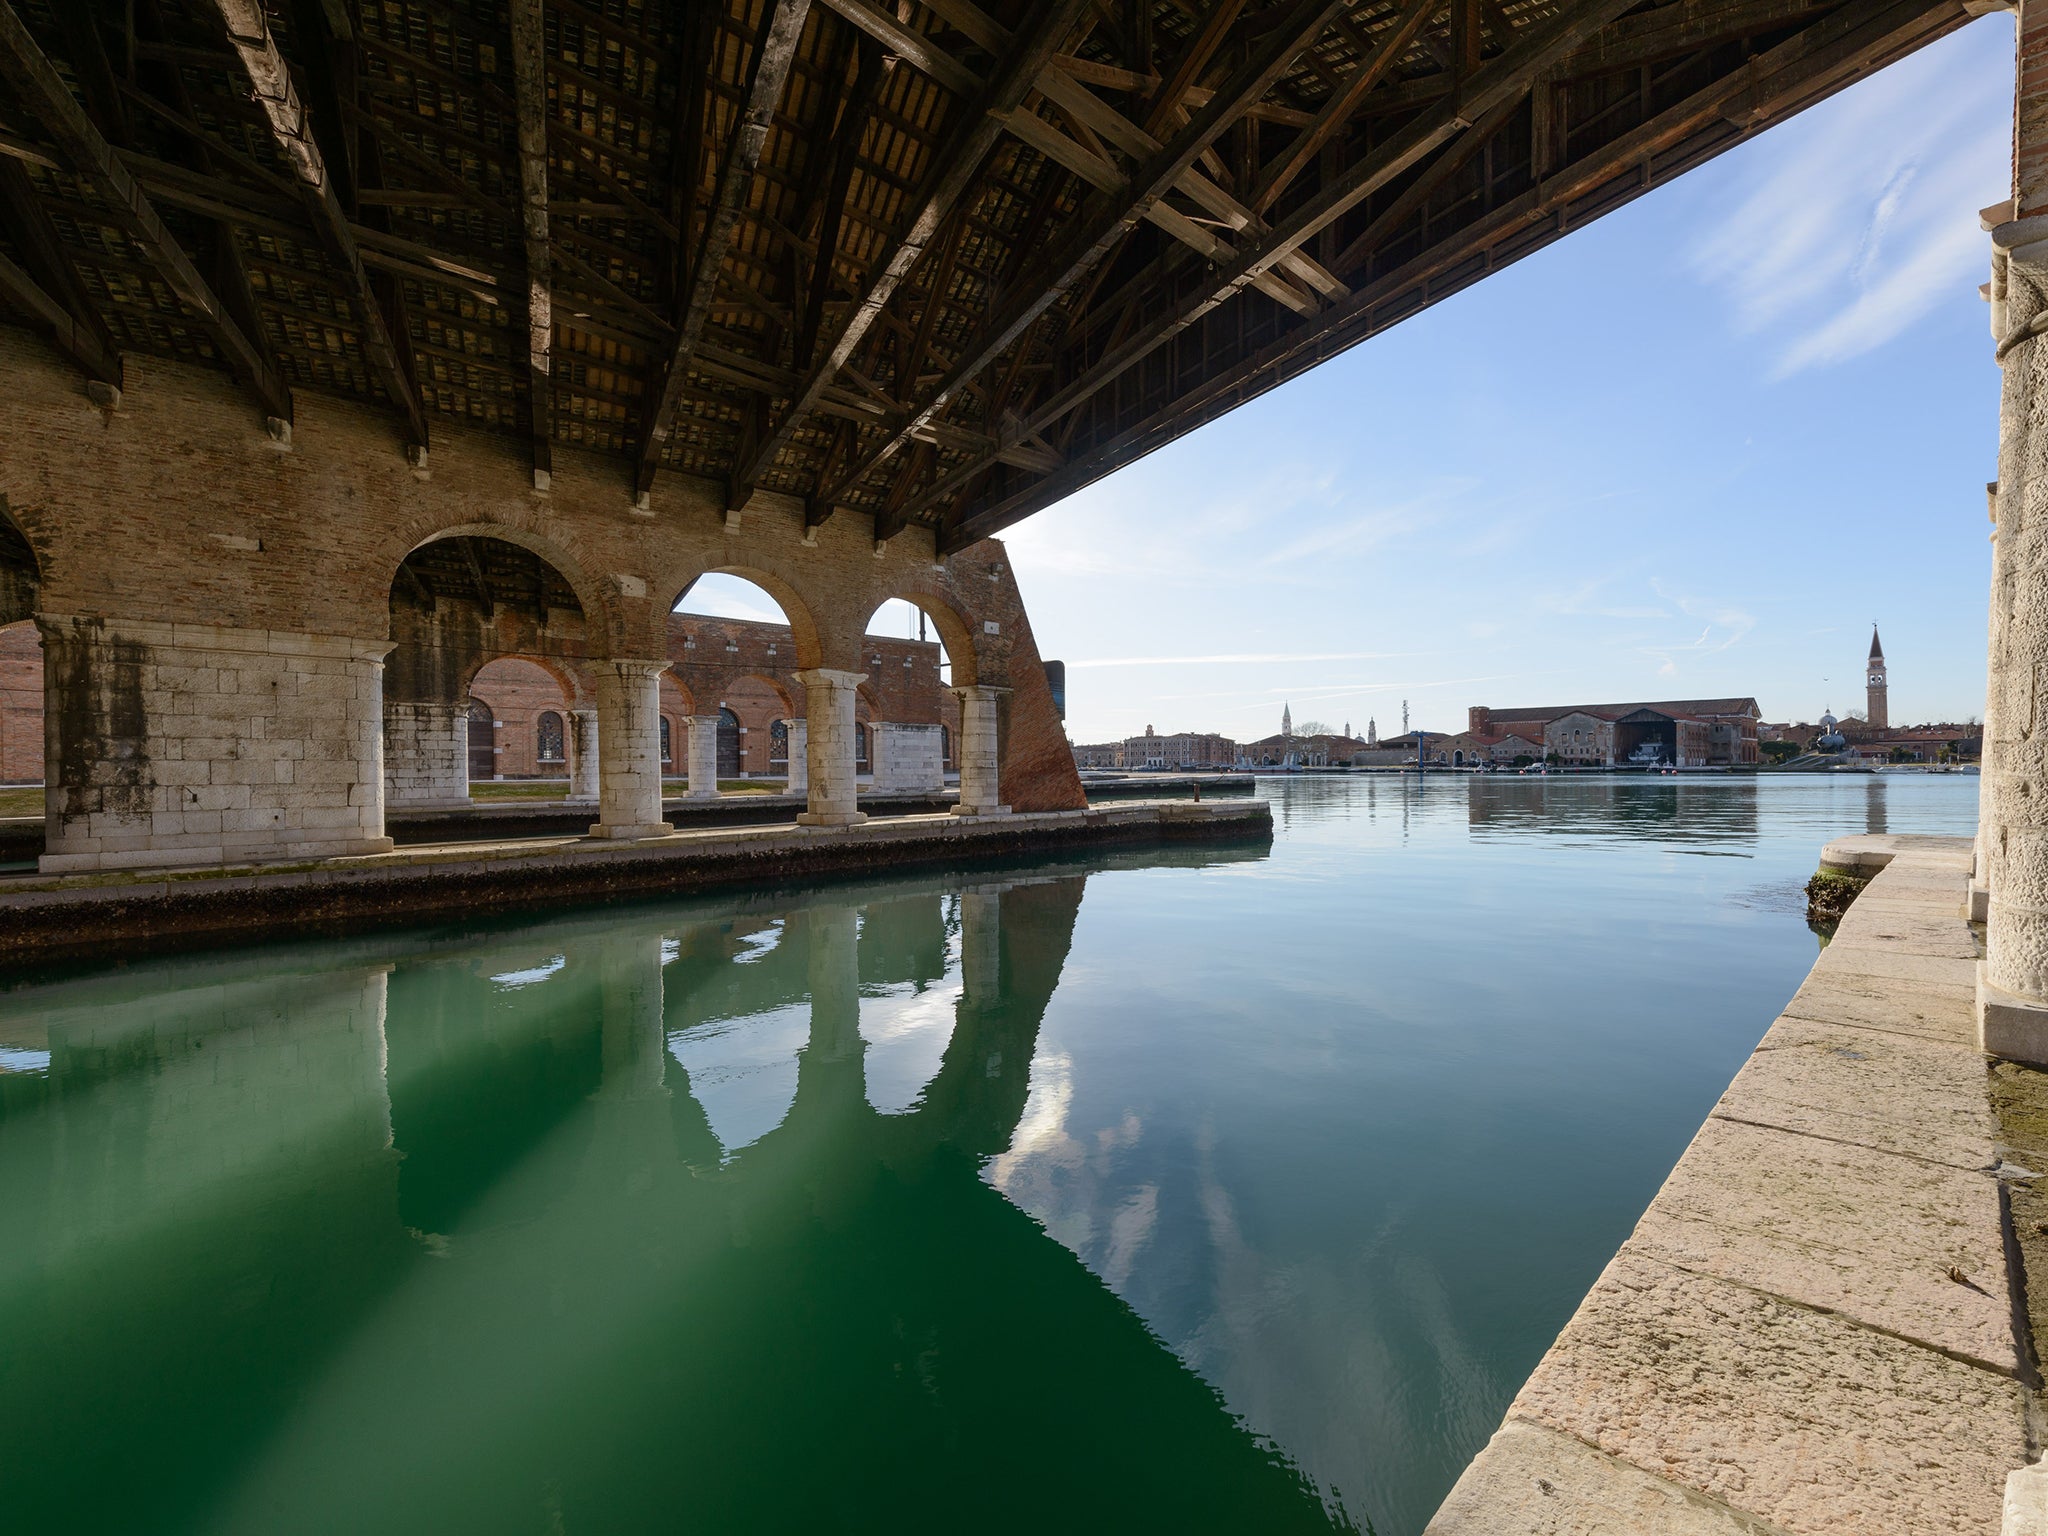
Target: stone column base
2012, 1028
1977, 905
981, 810
203, 858
628, 831
830, 818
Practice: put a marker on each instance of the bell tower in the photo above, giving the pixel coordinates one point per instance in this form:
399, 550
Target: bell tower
1873, 680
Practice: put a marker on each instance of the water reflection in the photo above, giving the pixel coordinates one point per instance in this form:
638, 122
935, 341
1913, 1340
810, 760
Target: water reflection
595, 1227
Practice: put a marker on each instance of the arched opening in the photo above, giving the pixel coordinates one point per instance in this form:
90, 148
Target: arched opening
860, 746
668, 743
479, 620
22, 739
916, 649
778, 746
737, 644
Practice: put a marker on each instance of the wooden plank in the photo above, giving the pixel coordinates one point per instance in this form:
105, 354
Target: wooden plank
48, 289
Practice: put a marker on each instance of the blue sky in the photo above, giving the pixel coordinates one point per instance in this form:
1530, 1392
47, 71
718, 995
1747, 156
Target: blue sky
1692, 449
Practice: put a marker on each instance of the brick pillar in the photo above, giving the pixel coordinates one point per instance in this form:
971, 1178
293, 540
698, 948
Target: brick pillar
629, 749
426, 757
980, 771
2012, 984
703, 758
583, 757
829, 750
799, 767
195, 744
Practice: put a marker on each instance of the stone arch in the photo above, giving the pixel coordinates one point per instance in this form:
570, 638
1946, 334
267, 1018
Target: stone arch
550, 545
21, 569
796, 612
954, 631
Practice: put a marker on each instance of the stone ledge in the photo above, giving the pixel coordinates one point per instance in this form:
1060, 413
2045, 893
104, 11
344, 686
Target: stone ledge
1781, 1345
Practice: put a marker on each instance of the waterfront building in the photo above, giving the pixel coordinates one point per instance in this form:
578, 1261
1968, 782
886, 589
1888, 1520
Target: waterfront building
1693, 733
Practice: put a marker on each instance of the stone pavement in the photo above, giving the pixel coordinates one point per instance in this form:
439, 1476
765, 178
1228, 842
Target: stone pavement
1811, 1330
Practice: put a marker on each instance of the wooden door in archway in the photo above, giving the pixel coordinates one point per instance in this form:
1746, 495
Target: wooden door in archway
728, 744
483, 742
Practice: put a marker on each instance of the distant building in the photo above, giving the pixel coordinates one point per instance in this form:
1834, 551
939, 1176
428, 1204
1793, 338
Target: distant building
1686, 733
1183, 750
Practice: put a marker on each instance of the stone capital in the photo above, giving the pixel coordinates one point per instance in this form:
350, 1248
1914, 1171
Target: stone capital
828, 677
967, 692
627, 667
710, 721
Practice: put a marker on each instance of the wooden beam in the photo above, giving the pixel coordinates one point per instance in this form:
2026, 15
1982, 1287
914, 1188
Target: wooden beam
1498, 83
772, 61
1771, 86
1342, 102
88, 155
953, 172
530, 91
48, 290
475, 562
270, 82
1102, 226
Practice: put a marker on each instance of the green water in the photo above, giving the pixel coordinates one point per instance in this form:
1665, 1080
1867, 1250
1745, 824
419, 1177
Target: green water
1221, 1191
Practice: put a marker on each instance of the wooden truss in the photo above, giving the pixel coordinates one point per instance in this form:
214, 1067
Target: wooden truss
936, 262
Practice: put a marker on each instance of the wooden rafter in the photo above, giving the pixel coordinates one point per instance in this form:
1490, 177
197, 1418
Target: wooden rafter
530, 91
270, 81
954, 172
87, 153
1102, 228
48, 291
772, 61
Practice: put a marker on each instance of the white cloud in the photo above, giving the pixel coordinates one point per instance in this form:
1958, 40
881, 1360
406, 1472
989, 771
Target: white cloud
1864, 216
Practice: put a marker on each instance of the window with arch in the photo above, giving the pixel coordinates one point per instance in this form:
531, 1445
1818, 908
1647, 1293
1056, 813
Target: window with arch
668, 754
860, 747
778, 744
548, 737
945, 747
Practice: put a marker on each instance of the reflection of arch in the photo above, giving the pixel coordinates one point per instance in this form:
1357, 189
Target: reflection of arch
803, 628
954, 632
483, 741
728, 744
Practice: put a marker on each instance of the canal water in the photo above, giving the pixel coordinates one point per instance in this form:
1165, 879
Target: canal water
1232, 1190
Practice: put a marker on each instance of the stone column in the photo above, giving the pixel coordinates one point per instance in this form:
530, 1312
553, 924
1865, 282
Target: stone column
629, 749
426, 757
196, 744
829, 750
583, 756
2012, 985
703, 756
799, 768
980, 774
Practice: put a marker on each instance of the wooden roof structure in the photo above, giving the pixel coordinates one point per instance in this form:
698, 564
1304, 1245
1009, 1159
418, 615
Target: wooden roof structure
935, 262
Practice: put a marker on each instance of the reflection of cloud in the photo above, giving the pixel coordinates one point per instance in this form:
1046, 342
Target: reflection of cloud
1866, 219
906, 1032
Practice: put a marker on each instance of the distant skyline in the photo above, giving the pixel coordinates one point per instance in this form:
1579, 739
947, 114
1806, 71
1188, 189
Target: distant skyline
1693, 449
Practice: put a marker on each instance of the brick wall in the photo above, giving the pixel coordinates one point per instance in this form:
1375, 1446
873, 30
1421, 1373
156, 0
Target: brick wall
178, 509
21, 705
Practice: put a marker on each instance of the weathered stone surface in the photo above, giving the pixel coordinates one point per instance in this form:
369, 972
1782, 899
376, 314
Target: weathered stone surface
1876, 962
1875, 1088
1934, 1010
1536, 1481
1870, 1235
1811, 1423
1901, 929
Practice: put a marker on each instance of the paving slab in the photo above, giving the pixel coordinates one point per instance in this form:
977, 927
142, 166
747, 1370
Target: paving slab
1810, 1423
1535, 1480
1944, 1011
1869, 1235
1881, 1089
1881, 963
1905, 930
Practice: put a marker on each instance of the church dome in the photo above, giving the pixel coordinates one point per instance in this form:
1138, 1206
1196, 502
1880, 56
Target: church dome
1828, 722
